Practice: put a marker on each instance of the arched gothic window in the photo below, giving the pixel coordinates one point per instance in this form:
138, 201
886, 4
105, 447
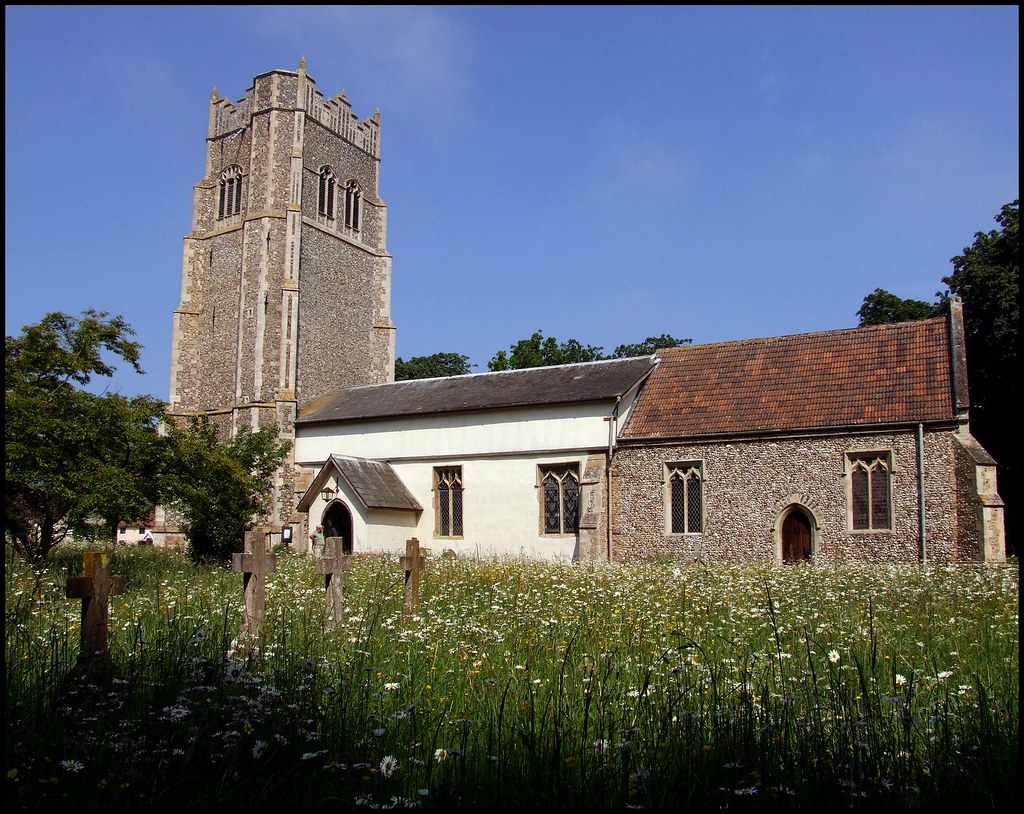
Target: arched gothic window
869, 492
449, 501
561, 498
230, 200
685, 499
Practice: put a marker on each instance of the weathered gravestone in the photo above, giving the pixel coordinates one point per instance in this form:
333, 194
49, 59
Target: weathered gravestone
255, 563
414, 563
94, 588
332, 565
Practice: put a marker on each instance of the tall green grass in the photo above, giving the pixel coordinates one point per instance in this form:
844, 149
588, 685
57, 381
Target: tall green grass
519, 685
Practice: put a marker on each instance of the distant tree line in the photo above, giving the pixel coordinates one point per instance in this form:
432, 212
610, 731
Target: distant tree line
536, 351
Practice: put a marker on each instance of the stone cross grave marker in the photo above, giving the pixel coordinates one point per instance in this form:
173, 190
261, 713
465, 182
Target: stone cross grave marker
414, 562
255, 563
94, 588
332, 565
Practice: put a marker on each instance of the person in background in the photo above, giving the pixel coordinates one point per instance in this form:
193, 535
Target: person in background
316, 542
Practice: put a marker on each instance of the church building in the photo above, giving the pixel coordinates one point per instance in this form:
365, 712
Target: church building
844, 445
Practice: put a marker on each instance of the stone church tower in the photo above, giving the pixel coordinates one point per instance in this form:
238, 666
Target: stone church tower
286, 279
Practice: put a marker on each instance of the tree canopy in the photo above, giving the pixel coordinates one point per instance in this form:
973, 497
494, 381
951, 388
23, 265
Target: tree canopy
986, 277
74, 460
435, 366
881, 307
649, 346
221, 486
539, 351
535, 351
71, 456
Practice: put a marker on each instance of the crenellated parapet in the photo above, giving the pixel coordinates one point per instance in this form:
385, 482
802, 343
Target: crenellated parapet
227, 116
335, 113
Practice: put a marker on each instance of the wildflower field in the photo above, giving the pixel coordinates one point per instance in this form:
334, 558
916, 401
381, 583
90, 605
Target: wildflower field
519, 684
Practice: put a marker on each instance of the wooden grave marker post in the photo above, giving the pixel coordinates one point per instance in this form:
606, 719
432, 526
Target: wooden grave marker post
332, 565
414, 563
255, 563
94, 588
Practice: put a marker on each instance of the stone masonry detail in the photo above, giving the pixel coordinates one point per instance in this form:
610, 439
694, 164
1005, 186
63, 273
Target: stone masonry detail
749, 484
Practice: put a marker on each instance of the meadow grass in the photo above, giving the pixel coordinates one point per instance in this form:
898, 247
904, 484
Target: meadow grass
518, 684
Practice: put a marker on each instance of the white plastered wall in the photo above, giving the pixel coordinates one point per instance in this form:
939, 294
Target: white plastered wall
499, 453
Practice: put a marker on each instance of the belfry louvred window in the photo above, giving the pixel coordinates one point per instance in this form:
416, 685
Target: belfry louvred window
328, 188
353, 201
229, 201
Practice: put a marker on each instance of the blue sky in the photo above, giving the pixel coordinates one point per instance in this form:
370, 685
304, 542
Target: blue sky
599, 173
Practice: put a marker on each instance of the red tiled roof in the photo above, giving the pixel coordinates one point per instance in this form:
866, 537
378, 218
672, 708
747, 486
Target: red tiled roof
885, 374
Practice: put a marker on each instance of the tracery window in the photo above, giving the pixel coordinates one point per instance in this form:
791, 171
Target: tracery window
229, 201
448, 501
685, 498
560, 495
870, 476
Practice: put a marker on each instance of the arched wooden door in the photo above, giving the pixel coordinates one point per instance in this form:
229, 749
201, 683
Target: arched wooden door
337, 522
796, 537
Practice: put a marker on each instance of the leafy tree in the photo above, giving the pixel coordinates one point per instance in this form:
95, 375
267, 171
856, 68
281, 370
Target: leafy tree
649, 346
987, 278
538, 351
221, 487
71, 455
881, 307
438, 365
127, 467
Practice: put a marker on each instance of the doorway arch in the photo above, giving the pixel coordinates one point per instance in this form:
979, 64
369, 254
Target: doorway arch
337, 522
796, 536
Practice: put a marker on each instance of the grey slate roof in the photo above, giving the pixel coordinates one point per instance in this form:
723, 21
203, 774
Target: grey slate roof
374, 483
559, 384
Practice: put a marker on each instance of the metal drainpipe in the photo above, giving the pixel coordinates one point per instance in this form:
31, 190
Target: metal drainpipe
612, 431
920, 493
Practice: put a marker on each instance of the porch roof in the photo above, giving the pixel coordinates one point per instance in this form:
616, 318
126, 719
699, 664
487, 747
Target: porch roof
375, 484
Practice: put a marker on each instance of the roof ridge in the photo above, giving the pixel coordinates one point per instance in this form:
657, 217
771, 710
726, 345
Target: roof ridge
829, 332
522, 370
